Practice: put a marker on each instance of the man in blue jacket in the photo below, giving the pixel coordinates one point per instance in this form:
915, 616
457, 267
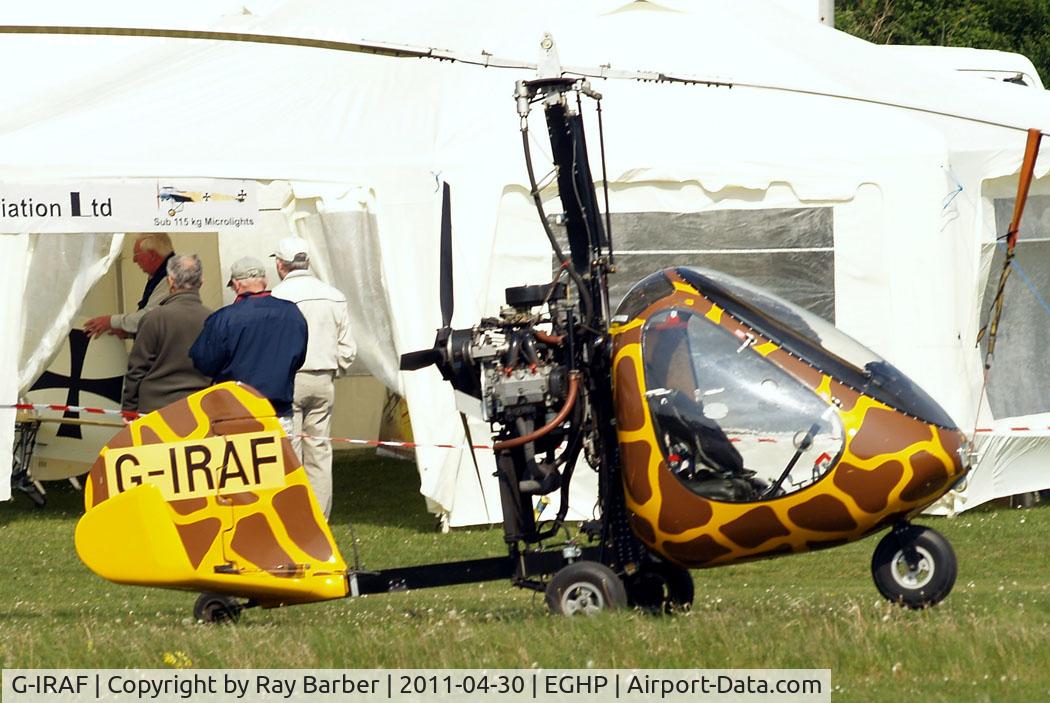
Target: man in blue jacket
258, 339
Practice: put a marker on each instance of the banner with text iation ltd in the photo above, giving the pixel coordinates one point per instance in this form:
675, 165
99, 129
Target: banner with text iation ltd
129, 205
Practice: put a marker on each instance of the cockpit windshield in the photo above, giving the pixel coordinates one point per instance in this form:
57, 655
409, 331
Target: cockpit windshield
732, 425
818, 342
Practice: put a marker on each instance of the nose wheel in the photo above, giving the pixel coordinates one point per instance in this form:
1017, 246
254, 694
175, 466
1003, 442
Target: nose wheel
914, 566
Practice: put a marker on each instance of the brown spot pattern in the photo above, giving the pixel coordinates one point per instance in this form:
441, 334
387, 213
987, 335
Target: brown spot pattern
99, 482
695, 552
121, 439
222, 406
823, 513
642, 528
755, 527
149, 436
635, 456
929, 476
293, 506
629, 410
243, 498
680, 509
291, 459
179, 417
238, 426
253, 538
886, 432
846, 396
797, 368
189, 505
197, 538
870, 489
631, 336
952, 441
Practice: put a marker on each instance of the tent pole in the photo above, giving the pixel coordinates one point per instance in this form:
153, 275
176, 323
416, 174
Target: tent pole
827, 12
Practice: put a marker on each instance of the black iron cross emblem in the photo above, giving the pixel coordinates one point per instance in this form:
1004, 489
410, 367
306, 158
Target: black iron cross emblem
75, 382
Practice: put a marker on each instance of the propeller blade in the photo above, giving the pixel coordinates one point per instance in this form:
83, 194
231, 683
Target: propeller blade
477, 469
413, 361
446, 257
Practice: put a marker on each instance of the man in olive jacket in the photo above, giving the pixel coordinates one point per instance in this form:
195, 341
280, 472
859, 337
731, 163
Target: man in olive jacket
160, 370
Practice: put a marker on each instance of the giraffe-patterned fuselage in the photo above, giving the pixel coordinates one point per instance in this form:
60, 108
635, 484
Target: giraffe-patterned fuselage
888, 464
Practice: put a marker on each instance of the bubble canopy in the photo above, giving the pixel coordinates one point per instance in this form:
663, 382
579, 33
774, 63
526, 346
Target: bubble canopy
800, 332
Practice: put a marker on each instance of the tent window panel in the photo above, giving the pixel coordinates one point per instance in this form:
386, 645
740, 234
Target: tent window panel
789, 251
1020, 380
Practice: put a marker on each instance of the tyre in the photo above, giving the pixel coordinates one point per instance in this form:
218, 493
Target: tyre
659, 587
914, 566
585, 588
216, 608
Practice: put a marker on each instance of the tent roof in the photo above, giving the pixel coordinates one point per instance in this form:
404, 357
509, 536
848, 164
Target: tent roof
982, 62
199, 108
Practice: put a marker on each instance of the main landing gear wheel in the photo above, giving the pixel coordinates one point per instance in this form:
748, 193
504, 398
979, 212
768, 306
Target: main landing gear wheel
216, 608
914, 566
660, 588
585, 587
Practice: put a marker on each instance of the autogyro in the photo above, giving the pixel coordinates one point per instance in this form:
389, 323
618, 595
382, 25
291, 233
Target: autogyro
724, 423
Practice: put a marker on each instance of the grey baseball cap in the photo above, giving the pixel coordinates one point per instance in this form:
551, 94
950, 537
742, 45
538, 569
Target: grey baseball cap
247, 267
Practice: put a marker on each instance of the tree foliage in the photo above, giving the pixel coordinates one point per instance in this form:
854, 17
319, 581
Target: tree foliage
1021, 26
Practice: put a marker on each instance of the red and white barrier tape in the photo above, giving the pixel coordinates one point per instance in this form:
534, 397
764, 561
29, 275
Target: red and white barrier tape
390, 443
132, 415
126, 414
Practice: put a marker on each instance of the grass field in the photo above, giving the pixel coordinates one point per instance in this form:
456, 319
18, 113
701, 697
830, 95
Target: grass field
989, 641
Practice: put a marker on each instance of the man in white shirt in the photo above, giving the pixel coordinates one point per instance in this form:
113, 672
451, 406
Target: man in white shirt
330, 351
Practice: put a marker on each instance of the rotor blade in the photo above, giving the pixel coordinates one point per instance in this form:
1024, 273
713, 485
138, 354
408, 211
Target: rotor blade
602, 71
413, 361
446, 257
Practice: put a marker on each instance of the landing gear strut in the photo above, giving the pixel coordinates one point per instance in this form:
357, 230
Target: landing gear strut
217, 608
659, 587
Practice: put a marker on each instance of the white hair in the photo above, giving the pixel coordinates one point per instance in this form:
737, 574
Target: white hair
185, 271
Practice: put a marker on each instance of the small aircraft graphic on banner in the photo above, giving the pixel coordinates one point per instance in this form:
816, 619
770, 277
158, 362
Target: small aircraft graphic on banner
178, 198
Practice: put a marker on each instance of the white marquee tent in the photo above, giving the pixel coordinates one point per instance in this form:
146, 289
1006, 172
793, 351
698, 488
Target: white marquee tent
882, 216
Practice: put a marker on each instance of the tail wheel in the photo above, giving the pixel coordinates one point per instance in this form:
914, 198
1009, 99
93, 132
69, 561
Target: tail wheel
661, 588
914, 566
585, 588
216, 608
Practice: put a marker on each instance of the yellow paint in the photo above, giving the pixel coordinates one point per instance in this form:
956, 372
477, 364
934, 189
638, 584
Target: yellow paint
765, 349
138, 537
622, 328
683, 287
714, 314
